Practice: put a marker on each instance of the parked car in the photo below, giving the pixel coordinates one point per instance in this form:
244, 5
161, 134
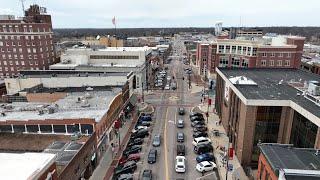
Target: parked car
152, 156
205, 157
200, 134
136, 141
131, 157
201, 129
140, 134
181, 111
196, 118
128, 167
194, 123
203, 148
145, 118
180, 137
125, 177
181, 150
156, 140
180, 164
201, 140
206, 166
138, 128
167, 87
173, 86
132, 150
180, 123
147, 174
194, 114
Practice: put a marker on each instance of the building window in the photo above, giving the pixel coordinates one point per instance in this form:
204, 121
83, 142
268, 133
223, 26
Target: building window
22, 63
227, 49
287, 63
1, 43
288, 55
272, 55
239, 48
271, 62
249, 51
263, 62
235, 62
29, 50
280, 54
34, 50
264, 54
303, 133
244, 50
221, 48
279, 63
20, 50
21, 56
233, 50
15, 56
223, 62
254, 51
14, 50
17, 63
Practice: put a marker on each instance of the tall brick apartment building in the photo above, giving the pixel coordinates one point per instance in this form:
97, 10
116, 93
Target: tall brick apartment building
268, 106
26, 43
264, 52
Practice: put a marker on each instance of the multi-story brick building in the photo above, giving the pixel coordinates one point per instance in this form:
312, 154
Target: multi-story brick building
266, 52
268, 106
26, 43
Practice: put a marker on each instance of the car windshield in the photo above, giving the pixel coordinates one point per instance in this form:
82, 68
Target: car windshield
201, 164
180, 166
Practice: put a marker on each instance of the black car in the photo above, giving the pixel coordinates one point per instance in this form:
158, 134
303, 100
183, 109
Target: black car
199, 134
152, 156
196, 118
195, 114
200, 129
181, 150
145, 118
194, 123
147, 174
203, 148
181, 111
131, 150
137, 141
142, 133
128, 167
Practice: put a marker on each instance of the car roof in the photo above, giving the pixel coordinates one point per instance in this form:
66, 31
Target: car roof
206, 162
201, 138
180, 157
180, 120
157, 135
153, 150
147, 171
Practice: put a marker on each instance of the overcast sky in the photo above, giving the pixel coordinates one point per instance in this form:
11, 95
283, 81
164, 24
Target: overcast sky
173, 13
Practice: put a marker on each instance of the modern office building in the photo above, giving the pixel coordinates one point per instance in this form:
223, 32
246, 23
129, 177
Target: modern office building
26, 43
283, 161
268, 106
266, 52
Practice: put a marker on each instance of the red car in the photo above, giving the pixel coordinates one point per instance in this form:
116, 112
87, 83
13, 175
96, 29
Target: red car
131, 157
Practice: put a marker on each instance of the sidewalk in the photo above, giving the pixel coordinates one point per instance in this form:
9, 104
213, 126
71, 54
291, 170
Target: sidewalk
221, 141
106, 160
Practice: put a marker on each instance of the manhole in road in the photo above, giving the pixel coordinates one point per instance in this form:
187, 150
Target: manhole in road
173, 98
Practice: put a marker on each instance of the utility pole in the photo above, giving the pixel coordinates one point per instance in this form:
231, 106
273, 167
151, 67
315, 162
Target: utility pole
142, 92
22, 4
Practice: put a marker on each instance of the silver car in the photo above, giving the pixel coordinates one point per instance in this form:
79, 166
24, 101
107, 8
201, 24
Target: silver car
156, 140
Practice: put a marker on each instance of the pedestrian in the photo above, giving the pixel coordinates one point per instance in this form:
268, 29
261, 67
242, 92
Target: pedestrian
202, 173
201, 100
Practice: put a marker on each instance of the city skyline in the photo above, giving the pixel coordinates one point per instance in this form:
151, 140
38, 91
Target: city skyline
204, 13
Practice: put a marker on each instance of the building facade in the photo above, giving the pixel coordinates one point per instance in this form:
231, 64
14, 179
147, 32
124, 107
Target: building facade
268, 106
269, 52
26, 43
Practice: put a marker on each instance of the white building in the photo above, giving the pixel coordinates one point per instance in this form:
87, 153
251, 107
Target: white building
111, 59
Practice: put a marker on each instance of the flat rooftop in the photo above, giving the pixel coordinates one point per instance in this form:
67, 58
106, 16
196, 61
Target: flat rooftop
87, 104
275, 84
281, 156
68, 73
21, 166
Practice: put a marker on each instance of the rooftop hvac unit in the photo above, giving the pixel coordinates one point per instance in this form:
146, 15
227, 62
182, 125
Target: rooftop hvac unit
314, 88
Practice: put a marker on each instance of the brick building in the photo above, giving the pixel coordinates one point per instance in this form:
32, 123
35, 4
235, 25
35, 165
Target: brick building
283, 161
26, 43
266, 52
268, 106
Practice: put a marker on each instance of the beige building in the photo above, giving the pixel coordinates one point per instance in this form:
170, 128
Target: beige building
103, 40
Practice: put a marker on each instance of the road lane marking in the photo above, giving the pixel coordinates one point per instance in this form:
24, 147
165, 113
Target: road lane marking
165, 146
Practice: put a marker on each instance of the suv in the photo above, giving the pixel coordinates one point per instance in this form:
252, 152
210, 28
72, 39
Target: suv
180, 164
181, 111
180, 123
180, 137
132, 150
156, 140
181, 150
201, 140
205, 157
203, 148
152, 157
128, 167
147, 174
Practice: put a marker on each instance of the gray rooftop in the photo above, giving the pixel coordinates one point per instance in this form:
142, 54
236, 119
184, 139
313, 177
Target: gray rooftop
281, 156
92, 104
275, 84
68, 73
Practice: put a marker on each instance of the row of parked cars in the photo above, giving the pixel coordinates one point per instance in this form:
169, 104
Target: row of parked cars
202, 144
131, 155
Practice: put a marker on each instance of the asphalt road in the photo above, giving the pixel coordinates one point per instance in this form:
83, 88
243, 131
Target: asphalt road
166, 103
